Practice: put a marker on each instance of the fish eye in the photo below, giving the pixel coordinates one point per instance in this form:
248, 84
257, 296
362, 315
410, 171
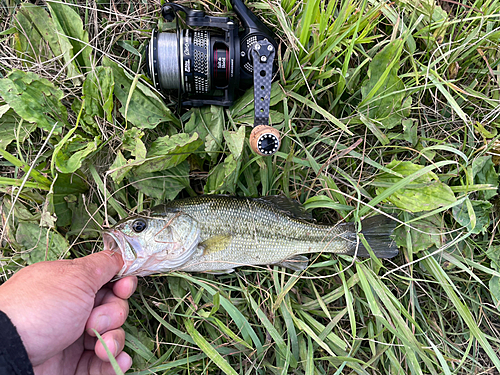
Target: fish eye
139, 225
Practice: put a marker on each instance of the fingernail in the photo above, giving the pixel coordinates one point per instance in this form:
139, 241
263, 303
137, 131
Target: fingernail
103, 323
117, 347
134, 286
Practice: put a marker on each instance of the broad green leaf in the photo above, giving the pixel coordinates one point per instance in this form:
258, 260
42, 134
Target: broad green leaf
10, 126
235, 141
196, 125
423, 233
214, 123
34, 99
40, 243
485, 132
86, 221
383, 91
494, 255
4, 109
36, 29
167, 152
144, 108
65, 189
410, 131
494, 285
222, 176
120, 167
208, 123
28, 42
97, 98
72, 154
132, 142
164, 185
104, 191
482, 211
69, 24
425, 193
19, 212
483, 171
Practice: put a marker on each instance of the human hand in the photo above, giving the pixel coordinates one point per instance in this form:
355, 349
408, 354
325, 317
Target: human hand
55, 306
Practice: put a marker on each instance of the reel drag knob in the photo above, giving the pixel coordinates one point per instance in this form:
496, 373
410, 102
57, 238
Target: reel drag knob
265, 140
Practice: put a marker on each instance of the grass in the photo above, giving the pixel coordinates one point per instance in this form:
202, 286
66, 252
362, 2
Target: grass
384, 107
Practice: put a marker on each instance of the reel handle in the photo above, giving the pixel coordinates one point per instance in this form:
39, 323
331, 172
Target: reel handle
265, 140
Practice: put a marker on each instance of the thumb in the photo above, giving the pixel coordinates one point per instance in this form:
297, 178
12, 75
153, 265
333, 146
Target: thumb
99, 268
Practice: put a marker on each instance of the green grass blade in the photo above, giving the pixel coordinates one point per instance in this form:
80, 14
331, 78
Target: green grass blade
239, 319
448, 286
280, 343
205, 346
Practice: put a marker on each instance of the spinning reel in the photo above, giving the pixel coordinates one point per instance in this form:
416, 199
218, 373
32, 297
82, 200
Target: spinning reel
211, 62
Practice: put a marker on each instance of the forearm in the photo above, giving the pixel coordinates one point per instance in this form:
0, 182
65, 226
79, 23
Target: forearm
13, 356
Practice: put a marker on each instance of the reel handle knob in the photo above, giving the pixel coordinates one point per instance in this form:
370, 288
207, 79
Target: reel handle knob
265, 140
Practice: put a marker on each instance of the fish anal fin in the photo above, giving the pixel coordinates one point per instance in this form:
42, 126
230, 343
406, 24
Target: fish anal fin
216, 243
296, 263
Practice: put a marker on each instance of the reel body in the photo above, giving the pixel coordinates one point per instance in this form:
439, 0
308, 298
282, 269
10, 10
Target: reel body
211, 62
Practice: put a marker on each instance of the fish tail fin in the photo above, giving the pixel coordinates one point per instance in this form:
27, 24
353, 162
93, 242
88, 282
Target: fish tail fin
377, 231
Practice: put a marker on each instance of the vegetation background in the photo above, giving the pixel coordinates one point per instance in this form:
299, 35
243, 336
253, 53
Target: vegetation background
385, 107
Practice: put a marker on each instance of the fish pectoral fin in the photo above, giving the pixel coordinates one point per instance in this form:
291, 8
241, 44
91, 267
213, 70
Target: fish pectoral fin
296, 263
220, 272
216, 243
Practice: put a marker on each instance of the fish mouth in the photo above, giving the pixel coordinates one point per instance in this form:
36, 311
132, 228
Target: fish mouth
115, 241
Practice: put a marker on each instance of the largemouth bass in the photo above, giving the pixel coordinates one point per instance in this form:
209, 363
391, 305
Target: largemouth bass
216, 234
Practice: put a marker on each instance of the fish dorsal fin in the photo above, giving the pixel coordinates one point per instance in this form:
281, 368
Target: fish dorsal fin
288, 206
162, 209
216, 243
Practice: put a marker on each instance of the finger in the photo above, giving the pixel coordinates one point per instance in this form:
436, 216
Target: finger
107, 296
108, 316
99, 268
100, 295
125, 287
90, 364
114, 340
89, 341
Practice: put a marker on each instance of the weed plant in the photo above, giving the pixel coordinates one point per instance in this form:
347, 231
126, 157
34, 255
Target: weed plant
384, 107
